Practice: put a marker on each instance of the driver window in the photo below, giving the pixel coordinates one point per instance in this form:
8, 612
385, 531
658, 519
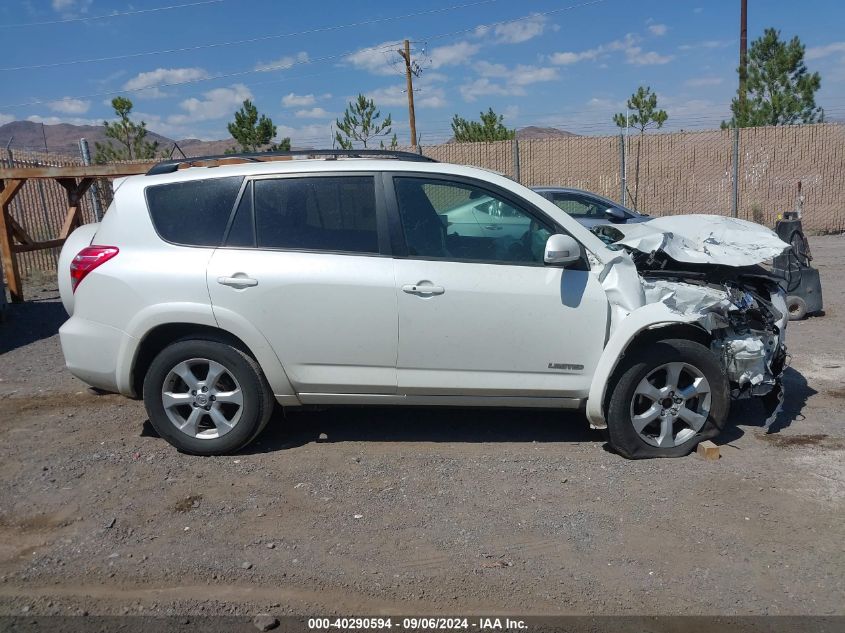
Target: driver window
577, 206
452, 220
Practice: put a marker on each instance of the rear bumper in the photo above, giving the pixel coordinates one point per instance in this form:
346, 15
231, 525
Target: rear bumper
93, 351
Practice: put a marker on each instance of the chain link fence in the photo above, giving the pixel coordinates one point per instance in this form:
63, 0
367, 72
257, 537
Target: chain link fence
754, 170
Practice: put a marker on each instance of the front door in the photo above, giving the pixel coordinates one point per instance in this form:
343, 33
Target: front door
479, 312
303, 264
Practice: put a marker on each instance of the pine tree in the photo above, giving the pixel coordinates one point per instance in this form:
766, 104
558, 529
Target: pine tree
490, 128
254, 133
130, 137
642, 116
361, 124
779, 89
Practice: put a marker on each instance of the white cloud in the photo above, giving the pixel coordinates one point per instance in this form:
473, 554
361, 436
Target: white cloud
424, 96
383, 59
658, 29
379, 59
629, 45
686, 113
520, 75
6, 118
147, 84
215, 104
601, 103
698, 82
521, 31
432, 76
315, 135
483, 87
283, 63
54, 120
817, 52
312, 113
69, 105
452, 54
635, 55
569, 57
71, 8
177, 131
293, 100
109, 78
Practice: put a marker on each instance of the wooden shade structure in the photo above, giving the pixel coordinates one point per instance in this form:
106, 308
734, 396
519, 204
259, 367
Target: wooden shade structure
75, 180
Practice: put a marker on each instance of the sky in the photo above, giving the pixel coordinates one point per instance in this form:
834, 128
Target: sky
187, 65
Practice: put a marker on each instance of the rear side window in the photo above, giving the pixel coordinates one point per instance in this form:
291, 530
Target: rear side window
329, 213
194, 213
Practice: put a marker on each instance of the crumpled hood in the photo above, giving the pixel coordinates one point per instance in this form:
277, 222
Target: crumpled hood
704, 239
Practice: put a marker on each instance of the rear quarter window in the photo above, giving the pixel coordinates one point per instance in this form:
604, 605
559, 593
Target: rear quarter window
194, 213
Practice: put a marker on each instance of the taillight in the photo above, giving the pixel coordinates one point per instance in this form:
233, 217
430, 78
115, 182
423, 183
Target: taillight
87, 260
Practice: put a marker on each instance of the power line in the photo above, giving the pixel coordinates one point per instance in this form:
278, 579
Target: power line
287, 66
239, 73
251, 40
111, 15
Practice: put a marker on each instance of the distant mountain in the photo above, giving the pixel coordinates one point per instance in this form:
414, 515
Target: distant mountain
533, 132
63, 138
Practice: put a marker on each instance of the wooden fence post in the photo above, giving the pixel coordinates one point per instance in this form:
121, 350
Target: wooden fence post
8, 190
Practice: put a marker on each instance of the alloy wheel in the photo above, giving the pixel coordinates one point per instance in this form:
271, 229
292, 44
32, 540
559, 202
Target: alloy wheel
202, 398
670, 404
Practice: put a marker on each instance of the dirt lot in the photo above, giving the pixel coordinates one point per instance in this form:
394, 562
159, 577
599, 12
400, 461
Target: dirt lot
425, 511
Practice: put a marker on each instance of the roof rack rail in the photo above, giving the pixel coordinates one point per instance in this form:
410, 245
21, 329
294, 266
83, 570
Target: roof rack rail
169, 166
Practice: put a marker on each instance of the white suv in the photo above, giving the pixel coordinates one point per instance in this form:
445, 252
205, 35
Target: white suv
216, 291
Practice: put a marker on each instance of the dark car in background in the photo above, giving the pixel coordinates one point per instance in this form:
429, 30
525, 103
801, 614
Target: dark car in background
590, 209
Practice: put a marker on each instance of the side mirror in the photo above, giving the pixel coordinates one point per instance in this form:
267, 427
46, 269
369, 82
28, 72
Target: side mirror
615, 213
561, 249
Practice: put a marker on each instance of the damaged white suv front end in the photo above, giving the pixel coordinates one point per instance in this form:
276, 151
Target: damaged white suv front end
702, 272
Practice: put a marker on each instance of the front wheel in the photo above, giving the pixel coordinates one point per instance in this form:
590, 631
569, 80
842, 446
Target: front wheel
206, 397
668, 398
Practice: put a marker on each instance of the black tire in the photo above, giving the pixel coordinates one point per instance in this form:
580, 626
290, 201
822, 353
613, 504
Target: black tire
622, 434
257, 398
796, 307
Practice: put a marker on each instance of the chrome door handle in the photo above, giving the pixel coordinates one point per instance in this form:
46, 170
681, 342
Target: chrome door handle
237, 282
424, 289
493, 227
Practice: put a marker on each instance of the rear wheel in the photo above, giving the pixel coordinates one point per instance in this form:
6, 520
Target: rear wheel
668, 398
206, 397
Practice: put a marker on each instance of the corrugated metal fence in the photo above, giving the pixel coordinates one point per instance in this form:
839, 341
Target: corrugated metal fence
681, 172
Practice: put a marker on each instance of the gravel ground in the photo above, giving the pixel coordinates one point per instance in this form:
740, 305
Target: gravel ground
387, 511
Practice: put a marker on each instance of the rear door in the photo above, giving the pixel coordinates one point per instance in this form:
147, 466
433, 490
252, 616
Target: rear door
305, 261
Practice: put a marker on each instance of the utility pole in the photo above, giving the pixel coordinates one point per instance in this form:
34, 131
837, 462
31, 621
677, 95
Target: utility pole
85, 151
743, 53
410, 71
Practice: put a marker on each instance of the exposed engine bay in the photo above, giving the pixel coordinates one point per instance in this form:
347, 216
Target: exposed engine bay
711, 276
